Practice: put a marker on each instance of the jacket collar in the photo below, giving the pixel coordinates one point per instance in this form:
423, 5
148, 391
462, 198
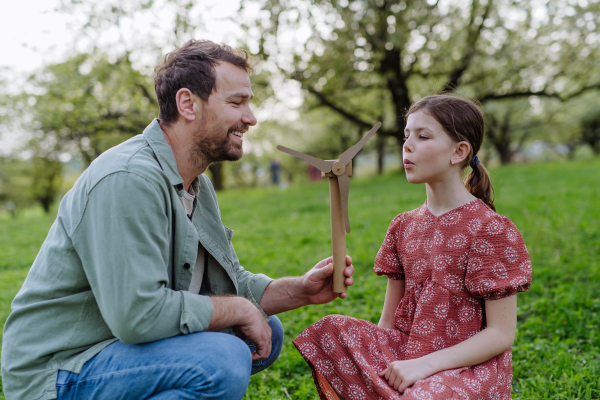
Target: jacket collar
164, 154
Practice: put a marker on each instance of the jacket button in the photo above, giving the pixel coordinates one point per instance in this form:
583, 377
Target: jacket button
186, 266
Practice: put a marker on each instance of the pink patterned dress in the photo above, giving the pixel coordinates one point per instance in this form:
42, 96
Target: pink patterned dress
451, 263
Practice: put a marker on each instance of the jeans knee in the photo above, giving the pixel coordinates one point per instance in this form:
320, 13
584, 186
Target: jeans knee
237, 363
225, 368
276, 345
277, 336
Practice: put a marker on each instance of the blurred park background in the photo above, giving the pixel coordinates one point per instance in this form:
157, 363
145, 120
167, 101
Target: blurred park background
76, 78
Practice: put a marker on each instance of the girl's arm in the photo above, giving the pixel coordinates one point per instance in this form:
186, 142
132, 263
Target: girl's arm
495, 339
393, 295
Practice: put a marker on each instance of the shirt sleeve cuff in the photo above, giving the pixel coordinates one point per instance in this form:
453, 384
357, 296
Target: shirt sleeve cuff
255, 289
257, 286
196, 312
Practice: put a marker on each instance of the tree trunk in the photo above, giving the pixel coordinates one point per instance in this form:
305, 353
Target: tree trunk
396, 84
46, 202
591, 136
380, 153
505, 154
216, 171
498, 133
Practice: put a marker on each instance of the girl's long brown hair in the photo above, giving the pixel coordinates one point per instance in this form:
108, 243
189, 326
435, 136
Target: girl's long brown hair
462, 120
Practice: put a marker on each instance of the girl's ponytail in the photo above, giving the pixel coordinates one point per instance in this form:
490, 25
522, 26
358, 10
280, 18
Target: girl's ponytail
479, 184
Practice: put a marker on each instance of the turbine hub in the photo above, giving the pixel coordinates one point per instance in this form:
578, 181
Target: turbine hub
338, 168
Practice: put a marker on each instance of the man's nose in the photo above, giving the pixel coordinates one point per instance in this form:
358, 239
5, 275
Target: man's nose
249, 118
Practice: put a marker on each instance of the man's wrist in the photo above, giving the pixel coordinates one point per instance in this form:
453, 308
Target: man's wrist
295, 292
244, 308
284, 294
229, 311
303, 297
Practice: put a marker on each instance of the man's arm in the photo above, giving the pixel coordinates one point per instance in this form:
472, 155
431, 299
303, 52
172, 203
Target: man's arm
240, 312
315, 287
284, 294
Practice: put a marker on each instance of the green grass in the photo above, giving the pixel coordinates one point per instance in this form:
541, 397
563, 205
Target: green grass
556, 207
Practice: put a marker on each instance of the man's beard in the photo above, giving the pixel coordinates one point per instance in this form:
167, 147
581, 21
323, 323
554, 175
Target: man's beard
212, 148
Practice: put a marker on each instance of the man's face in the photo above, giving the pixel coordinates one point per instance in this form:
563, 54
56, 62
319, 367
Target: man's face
225, 116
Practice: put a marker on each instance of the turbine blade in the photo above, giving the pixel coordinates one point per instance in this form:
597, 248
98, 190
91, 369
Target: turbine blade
344, 183
321, 165
352, 151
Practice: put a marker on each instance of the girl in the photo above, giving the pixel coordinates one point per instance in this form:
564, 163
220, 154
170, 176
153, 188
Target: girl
454, 268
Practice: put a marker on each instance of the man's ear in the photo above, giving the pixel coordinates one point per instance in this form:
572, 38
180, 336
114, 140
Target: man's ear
187, 104
461, 152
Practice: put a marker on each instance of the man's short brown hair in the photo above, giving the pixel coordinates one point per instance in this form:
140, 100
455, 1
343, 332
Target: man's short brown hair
192, 66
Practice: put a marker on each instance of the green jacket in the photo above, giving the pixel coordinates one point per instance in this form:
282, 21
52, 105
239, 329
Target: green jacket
116, 265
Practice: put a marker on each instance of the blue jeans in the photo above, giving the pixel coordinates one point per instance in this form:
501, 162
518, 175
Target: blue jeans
203, 365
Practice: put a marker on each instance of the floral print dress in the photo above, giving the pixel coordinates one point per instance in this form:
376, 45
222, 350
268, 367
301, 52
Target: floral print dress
451, 264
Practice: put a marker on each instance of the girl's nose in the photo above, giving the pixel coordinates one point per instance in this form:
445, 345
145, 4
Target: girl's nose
407, 146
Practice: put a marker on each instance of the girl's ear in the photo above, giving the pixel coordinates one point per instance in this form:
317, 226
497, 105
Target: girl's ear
186, 104
461, 152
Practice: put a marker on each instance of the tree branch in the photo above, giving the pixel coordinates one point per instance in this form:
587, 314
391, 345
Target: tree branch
582, 91
339, 110
147, 94
541, 93
516, 95
473, 36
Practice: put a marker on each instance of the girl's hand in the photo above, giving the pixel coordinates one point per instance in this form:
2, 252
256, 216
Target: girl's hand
402, 374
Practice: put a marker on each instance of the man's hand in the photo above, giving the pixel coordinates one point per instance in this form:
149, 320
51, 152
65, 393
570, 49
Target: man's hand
241, 313
402, 374
317, 283
257, 330
315, 287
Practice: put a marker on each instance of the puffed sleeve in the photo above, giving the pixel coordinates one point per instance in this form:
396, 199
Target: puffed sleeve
387, 261
499, 264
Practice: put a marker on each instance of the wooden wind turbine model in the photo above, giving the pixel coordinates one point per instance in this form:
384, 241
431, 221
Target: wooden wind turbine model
338, 172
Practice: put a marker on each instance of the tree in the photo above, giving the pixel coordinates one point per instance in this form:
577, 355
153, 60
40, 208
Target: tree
15, 184
591, 132
87, 104
78, 108
367, 59
47, 180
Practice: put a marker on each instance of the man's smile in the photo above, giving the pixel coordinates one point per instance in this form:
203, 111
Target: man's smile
239, 134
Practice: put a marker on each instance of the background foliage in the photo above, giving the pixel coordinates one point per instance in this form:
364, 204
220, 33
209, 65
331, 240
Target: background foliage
326, 71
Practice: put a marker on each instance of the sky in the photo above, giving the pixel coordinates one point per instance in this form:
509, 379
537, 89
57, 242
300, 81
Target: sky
32, 34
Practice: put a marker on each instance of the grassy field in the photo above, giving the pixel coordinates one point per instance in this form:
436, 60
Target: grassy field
281, 233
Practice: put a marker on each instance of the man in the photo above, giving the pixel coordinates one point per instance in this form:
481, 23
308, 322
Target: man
137, 291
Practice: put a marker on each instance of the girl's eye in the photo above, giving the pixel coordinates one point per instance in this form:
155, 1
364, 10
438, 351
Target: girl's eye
423, 137
405, 138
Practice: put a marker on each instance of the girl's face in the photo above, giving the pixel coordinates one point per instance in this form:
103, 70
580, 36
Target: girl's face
428, 151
